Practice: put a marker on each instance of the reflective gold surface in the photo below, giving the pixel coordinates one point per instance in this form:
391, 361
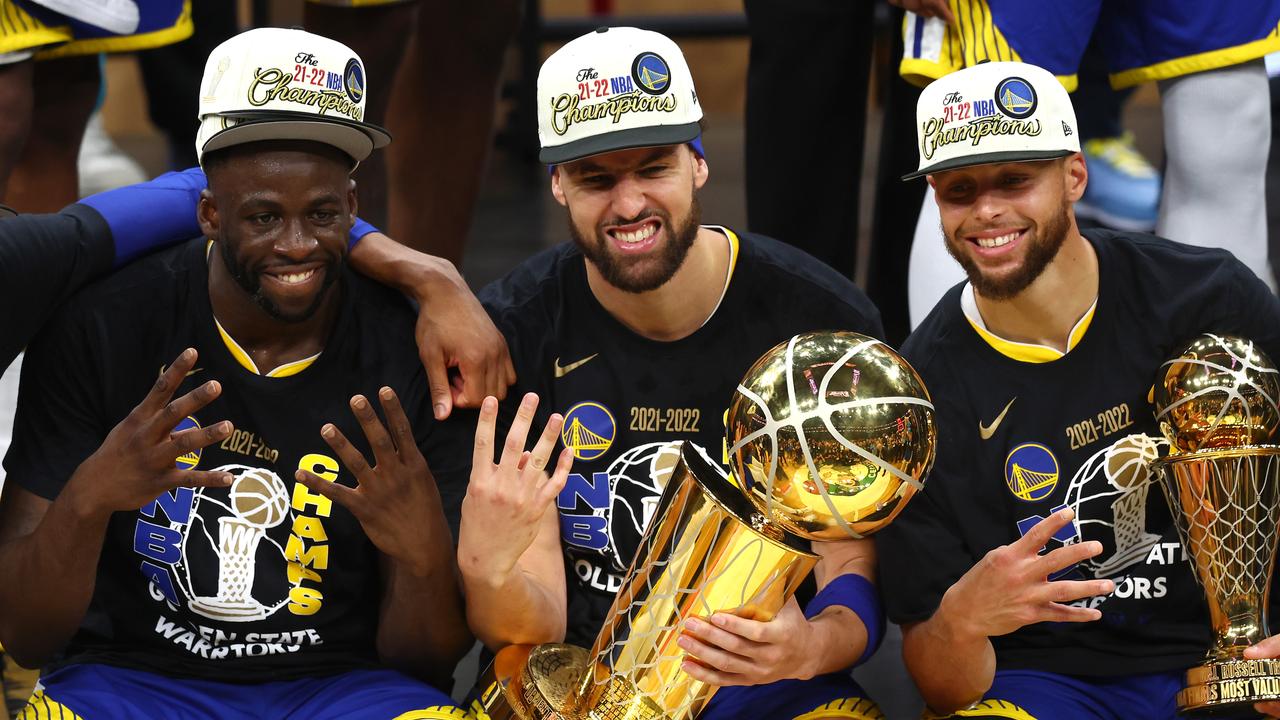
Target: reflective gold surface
831, 434
699, 556
1221, 391
1226, 504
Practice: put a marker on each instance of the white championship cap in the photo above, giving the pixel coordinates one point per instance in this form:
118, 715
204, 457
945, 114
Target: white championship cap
614, 89
995, 112
283, 84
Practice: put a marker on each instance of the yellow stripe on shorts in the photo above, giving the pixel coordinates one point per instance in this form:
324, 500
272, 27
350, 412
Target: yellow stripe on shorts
985, 709
40, 707
844, 709
180, 30
436, 712
20, 31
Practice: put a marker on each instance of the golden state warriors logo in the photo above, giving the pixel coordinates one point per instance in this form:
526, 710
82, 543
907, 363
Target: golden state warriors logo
1031, 472
588, 430
1016, 98
353, 80
191, 459
651, 73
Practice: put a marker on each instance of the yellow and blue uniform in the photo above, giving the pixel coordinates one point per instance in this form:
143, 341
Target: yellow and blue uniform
1143, 40
29, 27
626, 398
1024, 431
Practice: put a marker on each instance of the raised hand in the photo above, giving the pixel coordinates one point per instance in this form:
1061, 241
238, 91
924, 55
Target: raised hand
396, 499
136, 462
506, 501
730, 650
1009, 588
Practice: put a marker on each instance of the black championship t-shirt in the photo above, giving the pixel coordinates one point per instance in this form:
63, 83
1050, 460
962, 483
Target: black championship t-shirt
1018, 440
625, 398
261, 581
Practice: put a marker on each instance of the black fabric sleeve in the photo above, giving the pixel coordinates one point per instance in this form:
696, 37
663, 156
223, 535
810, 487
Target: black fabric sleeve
44, 259
60, 419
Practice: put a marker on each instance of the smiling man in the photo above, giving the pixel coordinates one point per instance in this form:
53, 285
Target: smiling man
1039, 575
251, 540
634, 336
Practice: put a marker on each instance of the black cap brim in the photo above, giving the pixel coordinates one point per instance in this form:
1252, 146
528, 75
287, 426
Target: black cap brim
356, 139
988, 159
652, 136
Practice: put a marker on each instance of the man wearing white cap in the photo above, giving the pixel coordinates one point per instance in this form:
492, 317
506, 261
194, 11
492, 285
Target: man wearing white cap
1040, 575
634, 336
264, 545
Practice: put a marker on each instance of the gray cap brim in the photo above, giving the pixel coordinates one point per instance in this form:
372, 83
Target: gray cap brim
653, 136
988, 159
356, 139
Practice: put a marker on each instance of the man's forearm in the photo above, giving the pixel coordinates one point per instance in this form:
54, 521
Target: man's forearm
841, 639
952, 669
422, 630
49, 577
514, 610
389, 263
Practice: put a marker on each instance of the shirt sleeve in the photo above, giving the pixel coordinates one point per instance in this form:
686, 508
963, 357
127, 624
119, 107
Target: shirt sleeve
161, 212
60, 419
43, 260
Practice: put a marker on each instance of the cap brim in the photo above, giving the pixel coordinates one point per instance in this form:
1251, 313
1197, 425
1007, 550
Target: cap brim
354, 138
988, 159
652, 136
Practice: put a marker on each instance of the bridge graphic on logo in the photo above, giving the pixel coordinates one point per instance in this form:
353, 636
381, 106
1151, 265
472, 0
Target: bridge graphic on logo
1013, 102
652, 79
581, 438
353, 82
1026, 484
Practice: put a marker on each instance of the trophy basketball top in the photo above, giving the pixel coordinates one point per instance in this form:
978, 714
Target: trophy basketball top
1219, 392
830, 434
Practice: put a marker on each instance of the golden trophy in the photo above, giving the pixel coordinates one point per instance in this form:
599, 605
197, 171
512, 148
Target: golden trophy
830, 434
1217, 404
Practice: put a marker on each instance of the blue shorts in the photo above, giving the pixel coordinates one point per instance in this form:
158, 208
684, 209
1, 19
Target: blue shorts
1143, 40
26, 27
1035, 695
103, 692
826, 696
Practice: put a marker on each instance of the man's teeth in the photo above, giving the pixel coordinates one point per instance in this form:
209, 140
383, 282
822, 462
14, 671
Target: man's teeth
997, 241
643, 233
296, 277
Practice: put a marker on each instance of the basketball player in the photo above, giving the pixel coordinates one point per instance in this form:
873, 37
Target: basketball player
264, 545
634, 336
1039, 574
1208, 61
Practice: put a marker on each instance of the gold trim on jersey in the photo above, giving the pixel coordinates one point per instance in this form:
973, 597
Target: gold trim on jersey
41, 707
1211, 60
1023, 352
242, 357
973, 39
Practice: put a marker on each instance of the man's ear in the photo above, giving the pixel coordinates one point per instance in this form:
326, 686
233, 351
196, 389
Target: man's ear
351, 200
1076, 176
556, 190
701, 171
207, 215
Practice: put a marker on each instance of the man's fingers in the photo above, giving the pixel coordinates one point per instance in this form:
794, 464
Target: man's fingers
482, 455
341, 494
181, 443
1042, 531
196, 478
397, 421
437, 377
1066, 556
519, 431
713, 657
187, 405
554, 484
725, 636
352, 459
168, 382
547, 442
1053, 612
1268, 648
701, 672
383, 448
1060, 591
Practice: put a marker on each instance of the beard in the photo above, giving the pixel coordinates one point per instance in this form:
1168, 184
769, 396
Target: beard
1040, 252
639, 275
250, 281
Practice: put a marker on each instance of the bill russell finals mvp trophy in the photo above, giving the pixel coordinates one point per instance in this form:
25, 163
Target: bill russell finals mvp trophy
829, 434
1217, 405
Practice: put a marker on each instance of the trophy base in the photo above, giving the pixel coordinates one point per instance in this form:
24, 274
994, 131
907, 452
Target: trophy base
533, 682
1229, 685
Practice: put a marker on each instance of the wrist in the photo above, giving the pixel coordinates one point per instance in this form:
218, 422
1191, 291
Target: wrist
950, 622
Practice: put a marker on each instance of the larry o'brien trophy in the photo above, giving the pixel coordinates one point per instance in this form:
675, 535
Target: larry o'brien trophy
830, 434
1217, 404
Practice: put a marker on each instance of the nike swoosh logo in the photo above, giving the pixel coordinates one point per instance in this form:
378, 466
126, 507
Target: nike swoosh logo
986, 431
562, 370
189, 372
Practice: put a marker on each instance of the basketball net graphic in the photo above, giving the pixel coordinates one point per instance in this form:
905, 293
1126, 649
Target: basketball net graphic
259, 501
